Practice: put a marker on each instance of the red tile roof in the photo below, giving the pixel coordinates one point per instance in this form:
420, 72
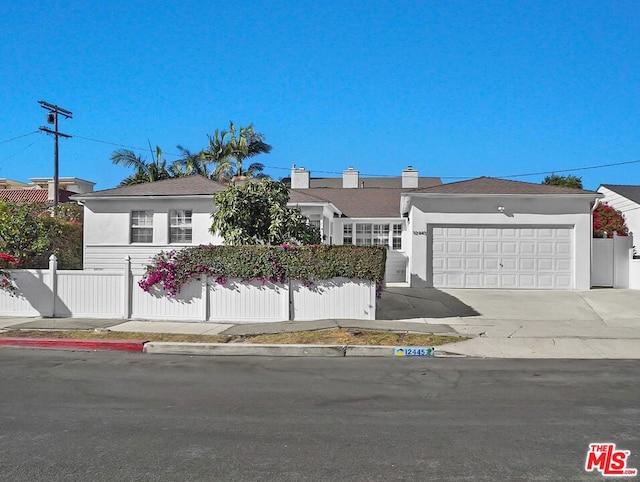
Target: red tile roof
33, 195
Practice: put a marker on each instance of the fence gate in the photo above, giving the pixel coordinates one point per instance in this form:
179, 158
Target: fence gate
610, 261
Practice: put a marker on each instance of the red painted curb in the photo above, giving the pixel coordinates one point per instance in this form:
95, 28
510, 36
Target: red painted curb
118, 345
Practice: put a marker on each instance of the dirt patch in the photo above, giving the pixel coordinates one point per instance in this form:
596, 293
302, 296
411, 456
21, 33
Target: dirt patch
333, 336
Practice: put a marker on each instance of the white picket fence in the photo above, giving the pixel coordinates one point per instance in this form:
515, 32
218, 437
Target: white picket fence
116, 294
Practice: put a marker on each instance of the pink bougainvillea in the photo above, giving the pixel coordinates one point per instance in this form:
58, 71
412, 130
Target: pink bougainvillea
6, 281
608, 220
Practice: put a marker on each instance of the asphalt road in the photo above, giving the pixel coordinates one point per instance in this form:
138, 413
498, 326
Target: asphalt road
79, 416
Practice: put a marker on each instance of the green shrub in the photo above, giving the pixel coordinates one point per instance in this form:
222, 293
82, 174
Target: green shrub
172, 270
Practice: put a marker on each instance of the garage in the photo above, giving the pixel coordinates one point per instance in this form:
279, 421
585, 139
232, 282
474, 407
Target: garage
511, 257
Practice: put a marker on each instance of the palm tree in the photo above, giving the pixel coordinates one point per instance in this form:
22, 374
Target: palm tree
229, 150
189, 164
144, 171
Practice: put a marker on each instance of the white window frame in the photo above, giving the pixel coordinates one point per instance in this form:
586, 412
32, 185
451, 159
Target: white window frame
180, 226
379, 233
141, 220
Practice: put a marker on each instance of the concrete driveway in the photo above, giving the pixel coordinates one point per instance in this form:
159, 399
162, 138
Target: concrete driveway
599, 323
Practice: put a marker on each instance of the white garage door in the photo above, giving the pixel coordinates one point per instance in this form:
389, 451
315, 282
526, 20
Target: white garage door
536, 257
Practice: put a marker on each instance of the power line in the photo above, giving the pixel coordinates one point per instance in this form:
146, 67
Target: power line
574, 169
144, 149
16, 153
554, 171
19, 137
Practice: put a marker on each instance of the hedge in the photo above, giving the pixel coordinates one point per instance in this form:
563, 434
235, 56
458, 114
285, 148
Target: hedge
171, 270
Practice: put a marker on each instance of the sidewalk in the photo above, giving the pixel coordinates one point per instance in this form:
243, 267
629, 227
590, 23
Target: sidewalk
602, 324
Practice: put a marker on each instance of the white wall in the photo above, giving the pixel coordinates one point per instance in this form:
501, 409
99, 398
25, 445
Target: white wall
634, 272
610, 262
107, 226
540, 211
115, 294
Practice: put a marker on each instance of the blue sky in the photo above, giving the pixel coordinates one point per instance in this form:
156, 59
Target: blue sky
457, 89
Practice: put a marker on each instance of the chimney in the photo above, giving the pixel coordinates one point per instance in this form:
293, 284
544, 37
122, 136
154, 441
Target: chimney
300, 178
51, 196
409, 178
350, 178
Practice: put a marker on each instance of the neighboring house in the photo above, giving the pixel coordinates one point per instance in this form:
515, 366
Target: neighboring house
41, 189
482, 233
626, 199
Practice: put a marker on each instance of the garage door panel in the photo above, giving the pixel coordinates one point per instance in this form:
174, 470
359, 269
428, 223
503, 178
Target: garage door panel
545, 281
527, 281
545, 264
562, 281
455, 264
454, 280
509, 264
472, 247
527, 248
545, 248
509, 281
526, 264
473, 264
490, 281
473, 280
563, 248
491, 247
508, 248
502, 257
491, 264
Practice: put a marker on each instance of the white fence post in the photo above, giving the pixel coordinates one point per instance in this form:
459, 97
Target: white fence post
127, 288
205, 298
53, 284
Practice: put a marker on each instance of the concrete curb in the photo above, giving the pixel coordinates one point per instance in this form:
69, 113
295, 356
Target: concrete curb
238, 349
67, 344
255, 349
210, 349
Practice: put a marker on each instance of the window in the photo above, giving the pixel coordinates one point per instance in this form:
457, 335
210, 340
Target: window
180, 230
347, 234
380, 234
363, 234
142, 226
396, 241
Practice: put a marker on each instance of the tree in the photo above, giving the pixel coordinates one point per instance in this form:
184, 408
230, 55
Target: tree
189, 164
257, 213
144, 171
29, 232
566, 181
608, 220
229, 151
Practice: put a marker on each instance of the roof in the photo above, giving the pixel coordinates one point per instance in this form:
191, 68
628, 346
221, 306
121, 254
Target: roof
381, 182
492, 185
355, 203
629, 191
33, 195
180, 186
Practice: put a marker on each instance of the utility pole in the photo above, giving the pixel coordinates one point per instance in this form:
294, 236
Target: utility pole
52, 118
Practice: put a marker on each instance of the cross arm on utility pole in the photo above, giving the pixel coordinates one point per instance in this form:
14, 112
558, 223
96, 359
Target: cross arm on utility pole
54, 111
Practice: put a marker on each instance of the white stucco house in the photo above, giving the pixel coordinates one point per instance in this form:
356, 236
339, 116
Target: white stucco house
482, 233
626, 199
493, 233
